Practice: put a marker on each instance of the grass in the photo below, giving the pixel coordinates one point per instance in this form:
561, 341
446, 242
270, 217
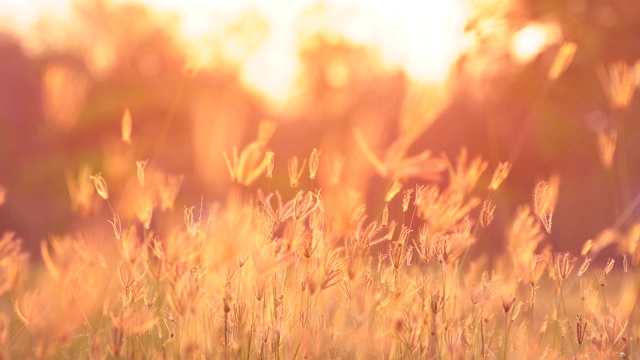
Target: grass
319, 274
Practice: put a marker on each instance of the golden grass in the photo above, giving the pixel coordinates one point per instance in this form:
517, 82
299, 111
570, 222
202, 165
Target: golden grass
320, 274
263, 276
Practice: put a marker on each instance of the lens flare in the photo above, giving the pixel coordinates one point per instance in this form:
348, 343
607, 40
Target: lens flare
531, 40
421, 38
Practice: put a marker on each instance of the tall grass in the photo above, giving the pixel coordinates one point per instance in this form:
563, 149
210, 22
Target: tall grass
320, 274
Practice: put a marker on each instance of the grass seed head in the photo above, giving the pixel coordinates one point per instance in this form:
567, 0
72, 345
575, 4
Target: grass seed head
406, 200
545, 197
295, 171
618, 80
100, 185
486, 213
499, 175
394, 189
565, 264
607, 142
314, 163
581, 329
140, 165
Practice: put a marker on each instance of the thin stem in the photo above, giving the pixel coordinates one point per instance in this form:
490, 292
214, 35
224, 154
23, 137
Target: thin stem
604, 303
566, 316
555, 329
506, 335
482, 347
434, 332
226, 338
532, 301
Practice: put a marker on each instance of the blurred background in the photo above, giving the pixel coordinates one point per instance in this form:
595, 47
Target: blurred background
198, 76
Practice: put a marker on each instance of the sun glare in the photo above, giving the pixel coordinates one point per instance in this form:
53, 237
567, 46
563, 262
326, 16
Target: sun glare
422, 38
312, 179
531, 40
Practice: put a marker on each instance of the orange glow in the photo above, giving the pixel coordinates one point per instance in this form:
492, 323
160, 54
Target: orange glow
531, 40
283, 179
423, 38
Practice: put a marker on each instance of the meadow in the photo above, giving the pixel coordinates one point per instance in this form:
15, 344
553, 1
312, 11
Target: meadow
301, 258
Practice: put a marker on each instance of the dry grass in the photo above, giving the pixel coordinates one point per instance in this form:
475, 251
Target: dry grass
319, 274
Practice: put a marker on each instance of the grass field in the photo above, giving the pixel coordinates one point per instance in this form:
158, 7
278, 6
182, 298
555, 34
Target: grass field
302, 259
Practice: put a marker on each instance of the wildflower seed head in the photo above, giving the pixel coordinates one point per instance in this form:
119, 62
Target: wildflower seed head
144, 212
601, 274
394, 189
499, 175
406, 199
537, 265
607, 142
437, 302
508, 299
545, 197
304, 205
584, 266
270, 155
81, 190
524, 235
188, 220
565, 264
419, 190
117, 341
168, 188
614, 330
619, 83
246, 167
486, 213
384, 222
581, 328
117, 226
484, 291
452, 335
586, 247
465, 174
101, 185
609, 266
314, 162
295, 172
140, 165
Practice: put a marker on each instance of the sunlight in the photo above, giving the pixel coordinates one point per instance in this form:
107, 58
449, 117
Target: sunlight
423, 39
531, 40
